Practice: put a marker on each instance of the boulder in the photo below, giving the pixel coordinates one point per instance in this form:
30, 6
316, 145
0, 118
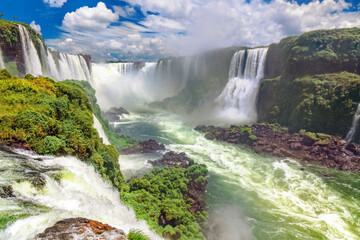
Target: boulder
81, 229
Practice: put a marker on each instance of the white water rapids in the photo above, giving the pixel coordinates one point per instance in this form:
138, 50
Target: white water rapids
73, 189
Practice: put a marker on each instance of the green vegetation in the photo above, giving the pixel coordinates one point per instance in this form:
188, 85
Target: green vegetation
321, 103
158, 198
54, 118
314, 83
119, 142
136, 235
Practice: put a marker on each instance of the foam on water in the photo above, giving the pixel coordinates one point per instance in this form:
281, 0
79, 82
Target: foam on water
279, 197
81, 192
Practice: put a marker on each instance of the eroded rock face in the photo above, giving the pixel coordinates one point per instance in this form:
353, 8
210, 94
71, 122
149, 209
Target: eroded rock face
148, 146
329, 151
81, 229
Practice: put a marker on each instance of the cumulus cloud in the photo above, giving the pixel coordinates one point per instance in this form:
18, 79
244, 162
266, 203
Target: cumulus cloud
55, 3
89, 19
36, 27
183, 27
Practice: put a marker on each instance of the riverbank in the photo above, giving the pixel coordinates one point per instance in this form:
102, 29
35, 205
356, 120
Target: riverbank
272, 139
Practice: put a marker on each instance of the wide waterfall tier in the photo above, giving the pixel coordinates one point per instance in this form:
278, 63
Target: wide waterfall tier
237, 102
37, 59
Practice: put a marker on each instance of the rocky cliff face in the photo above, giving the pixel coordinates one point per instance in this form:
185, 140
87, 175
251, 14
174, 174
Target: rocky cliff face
203, 78
312, 81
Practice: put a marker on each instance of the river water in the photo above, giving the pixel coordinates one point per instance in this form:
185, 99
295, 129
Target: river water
251, 196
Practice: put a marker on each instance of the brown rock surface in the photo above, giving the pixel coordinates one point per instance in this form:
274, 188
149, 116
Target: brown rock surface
272, 139
81, 229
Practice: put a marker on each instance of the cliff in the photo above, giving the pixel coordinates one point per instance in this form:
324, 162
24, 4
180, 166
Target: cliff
23, 51
311, 82
54, 118
204, 76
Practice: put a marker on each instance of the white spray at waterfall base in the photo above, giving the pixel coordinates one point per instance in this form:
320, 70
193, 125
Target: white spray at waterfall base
237, 102
80, 192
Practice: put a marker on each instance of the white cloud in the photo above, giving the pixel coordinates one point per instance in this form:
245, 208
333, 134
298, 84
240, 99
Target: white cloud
170, 8
55, 3
89, 19
204, 24
36, 27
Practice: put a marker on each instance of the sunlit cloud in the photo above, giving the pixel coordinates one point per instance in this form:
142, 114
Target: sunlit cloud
184, 27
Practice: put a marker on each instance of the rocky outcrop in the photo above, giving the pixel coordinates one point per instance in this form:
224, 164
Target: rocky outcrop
173, 159
148, 146
114, 114
272, 139
81, 229
6, 191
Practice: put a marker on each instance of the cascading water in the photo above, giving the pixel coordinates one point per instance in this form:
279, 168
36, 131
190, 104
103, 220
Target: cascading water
99, 128
350, 135
31, 57
44, 59
237, 102
59, 66
52, 65
2, 61
72, 189
117, 83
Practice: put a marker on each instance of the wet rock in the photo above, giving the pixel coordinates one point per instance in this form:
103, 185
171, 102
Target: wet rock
148, 146
173, 159
81, 229
36, 179
114, 114
330, 151
6, 191
200, 128
307, 141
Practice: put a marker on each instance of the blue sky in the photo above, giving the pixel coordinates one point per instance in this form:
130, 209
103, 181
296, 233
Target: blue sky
148, 29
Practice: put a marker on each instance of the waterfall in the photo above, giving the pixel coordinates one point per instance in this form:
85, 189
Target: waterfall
54, 72
59, 66
186, 71
237, 102
44, 59
31, 57
99, 128
354, 126
78, 191
2, 61
121, 84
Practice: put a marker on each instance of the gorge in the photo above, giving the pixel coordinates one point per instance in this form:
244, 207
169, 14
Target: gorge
308, 82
